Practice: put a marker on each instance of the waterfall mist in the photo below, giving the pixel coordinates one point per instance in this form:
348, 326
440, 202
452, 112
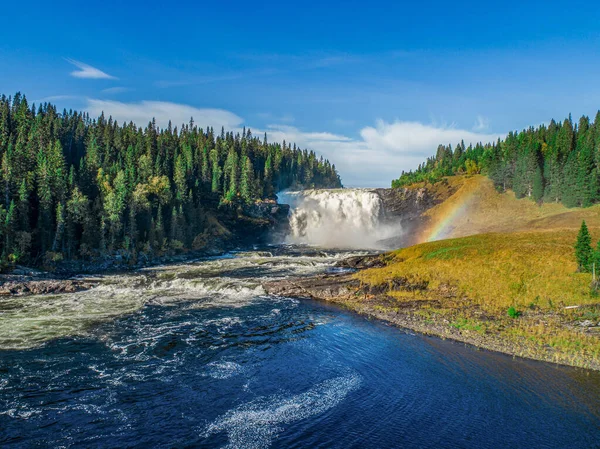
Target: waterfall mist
340, 218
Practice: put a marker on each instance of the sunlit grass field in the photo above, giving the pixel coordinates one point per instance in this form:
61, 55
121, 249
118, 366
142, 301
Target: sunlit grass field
517, 280
496, 270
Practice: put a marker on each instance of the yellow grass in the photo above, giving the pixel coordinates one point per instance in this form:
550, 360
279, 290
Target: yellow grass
506, 253
496, 271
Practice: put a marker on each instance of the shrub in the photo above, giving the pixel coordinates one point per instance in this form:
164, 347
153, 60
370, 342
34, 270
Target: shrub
513, 313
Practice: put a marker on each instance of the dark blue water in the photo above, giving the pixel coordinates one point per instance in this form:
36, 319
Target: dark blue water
284, 373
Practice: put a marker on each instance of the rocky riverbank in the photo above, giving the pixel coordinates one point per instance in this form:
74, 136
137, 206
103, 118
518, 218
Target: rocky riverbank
377, 302
43, 287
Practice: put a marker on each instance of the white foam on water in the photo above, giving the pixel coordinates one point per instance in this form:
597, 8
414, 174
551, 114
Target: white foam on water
21, 414
224, 323
240, 291
30, 321
256, 424
224, 369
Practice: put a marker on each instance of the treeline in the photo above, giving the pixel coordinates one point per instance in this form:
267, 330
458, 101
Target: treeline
447, 162
555, 163
76, 187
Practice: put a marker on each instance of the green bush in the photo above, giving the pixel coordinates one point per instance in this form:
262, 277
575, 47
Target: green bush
513, 313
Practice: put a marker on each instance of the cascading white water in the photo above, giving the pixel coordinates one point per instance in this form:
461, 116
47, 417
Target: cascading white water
339, 218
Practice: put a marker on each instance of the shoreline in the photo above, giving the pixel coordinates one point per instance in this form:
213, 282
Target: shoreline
344, 291
488, 343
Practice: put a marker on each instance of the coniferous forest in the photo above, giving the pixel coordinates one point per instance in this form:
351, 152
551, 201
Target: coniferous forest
76, 187
555, 163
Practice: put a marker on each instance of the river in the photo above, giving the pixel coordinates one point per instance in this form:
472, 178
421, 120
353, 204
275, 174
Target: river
196, 355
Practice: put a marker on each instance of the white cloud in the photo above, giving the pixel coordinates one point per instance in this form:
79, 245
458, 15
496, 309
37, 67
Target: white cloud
141, 113
295, 135
379, 155
382, 152
87, 71
415, 138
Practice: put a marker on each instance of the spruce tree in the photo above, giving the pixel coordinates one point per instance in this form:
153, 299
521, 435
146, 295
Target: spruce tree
583, 249
9, 230
596, 258
247, 181
538, 185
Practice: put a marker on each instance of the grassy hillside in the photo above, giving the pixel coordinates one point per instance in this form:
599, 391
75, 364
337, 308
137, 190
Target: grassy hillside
483, 209
516, 255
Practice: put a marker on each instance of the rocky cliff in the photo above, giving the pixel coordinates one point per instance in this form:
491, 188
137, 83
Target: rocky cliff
407, 206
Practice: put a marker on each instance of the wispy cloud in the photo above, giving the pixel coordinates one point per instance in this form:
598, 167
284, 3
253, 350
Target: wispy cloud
482, 124
87, 71
267, 116
58, 98
142, 112
190, 79
115, 90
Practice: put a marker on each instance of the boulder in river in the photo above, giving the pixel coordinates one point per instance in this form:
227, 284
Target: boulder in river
43, 287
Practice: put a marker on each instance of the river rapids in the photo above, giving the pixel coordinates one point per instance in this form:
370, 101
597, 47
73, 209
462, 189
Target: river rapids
198, 355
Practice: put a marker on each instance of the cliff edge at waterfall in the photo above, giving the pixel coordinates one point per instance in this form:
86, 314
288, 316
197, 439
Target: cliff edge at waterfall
362, 218
460, 206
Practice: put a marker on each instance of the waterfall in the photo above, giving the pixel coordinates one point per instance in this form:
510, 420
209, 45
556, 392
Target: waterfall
339, 218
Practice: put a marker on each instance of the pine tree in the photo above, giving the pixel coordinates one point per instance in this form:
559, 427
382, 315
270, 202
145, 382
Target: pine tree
180, 178
216, 171
583, 249
60, 226
247, 180
9, 230
538, 185
205, 173
268, 176
596, 258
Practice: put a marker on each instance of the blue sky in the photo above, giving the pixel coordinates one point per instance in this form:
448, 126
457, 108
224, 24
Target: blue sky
372, 86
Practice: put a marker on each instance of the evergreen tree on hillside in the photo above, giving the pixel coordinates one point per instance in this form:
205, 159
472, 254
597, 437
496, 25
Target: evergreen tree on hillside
583, 249
72, 186
538, 185
596, 259
555, 163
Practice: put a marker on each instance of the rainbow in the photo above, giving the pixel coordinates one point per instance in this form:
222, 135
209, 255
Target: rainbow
444, 227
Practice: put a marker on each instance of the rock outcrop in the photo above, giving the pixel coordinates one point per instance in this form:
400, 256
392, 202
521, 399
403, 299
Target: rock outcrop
43, 287
326, 287
407, 206
362, 262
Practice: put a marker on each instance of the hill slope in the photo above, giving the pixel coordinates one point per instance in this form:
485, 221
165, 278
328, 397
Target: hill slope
494, 271
476, 207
